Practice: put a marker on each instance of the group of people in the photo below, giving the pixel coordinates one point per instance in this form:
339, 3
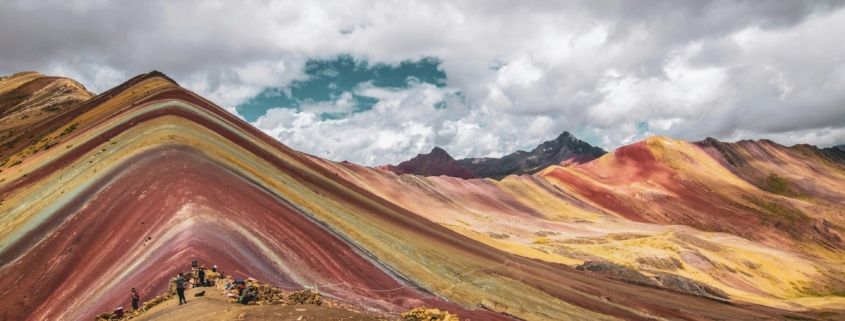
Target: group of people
180, 281
241, 292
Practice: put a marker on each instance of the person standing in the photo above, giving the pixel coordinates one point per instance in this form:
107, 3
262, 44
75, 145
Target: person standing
135, 298
180, 287
201, 275
214, 268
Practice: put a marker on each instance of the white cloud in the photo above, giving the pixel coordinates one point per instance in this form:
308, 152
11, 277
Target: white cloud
521, 72
344, 104
664, 124
404, 122
732, 70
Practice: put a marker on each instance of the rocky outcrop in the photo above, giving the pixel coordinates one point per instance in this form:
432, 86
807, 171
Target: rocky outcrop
689, 286
663, 280
563, 150
837, 153
436, 163
660, 263
617, 271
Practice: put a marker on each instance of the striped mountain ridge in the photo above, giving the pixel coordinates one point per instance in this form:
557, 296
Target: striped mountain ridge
125, 188
769, 231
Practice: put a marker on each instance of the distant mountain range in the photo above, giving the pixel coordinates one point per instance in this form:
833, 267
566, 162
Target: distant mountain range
564, 150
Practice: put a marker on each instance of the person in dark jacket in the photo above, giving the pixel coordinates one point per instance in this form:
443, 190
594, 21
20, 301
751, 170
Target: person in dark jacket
180, 287
135, 298
201, 275
249, 295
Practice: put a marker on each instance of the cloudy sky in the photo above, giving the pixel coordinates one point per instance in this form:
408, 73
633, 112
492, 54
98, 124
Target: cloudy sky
377, 82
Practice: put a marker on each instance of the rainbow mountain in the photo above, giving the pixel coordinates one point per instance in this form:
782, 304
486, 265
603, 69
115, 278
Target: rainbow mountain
102, 193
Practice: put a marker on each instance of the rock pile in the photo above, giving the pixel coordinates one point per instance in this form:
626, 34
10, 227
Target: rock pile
423, 314
210, 276
267, 294
304, 297
159, 299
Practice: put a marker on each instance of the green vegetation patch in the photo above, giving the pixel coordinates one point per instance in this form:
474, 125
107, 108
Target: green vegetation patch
777, 184
778, 210
827, 314
12, 142
69, 129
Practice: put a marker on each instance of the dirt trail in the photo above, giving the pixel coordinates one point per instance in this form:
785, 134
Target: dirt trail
214, 306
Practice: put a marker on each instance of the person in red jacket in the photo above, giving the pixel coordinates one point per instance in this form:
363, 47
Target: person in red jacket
135, 298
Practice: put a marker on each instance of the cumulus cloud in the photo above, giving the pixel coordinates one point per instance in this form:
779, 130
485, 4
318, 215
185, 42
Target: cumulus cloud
525, 71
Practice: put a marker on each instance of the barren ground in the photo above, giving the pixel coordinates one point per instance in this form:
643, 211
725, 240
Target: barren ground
214, 306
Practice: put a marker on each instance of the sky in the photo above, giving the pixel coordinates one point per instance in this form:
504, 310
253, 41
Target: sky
377, 82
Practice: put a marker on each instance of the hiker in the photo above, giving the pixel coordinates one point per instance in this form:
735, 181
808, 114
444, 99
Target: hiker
135, 299
241, 292
238, 293
180, 287
201, 275
249, 295
214, 268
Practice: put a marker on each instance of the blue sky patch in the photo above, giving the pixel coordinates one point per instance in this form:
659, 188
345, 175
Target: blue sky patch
642, 127
328, 80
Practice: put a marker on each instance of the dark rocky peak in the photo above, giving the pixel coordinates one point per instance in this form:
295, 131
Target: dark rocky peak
729, 151
437, 152
566, 149
836, 153
436, 163
571, 143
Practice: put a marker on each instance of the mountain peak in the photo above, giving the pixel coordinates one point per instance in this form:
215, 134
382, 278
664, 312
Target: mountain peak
436, 163
439, 152
159, 74
566, 142
565, 135
564, 150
